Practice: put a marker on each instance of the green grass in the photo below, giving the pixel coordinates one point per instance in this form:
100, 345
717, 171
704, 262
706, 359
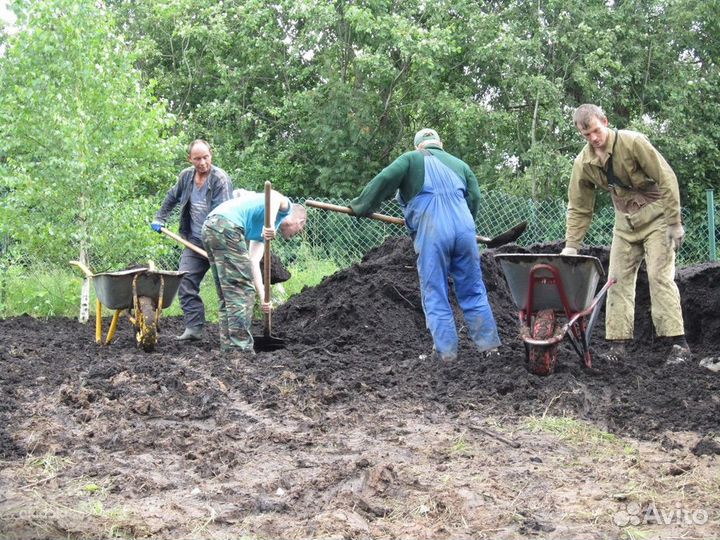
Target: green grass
308, 271
633, 533
55, 292
571, 430
209, 297
48, 465
38, 292
577, 432
460, 445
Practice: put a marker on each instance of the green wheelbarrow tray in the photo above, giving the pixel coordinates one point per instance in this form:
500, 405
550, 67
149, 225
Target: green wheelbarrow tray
547, 288
115, 289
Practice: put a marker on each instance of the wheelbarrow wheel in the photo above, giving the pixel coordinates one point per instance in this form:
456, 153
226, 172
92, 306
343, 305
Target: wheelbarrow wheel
542, 359
146, 325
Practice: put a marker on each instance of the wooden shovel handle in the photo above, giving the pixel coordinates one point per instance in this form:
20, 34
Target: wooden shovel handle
378, 217
184, 242
348, 210
85, 269
266, 260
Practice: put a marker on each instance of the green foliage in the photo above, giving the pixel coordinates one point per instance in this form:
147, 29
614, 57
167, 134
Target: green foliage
127, 239
83, 137
687, 114
96, 100
40, 294
319, 96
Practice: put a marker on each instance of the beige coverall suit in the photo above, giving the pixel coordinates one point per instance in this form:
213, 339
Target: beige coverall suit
642, 215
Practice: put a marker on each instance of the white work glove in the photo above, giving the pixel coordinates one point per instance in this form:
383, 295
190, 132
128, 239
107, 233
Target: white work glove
675, 235
568, 251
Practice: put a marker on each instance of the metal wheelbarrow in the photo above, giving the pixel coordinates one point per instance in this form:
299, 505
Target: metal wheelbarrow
144, 292
556, 298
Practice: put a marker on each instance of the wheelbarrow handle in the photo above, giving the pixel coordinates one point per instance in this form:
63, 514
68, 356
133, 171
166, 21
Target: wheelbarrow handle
85, 269
184, 242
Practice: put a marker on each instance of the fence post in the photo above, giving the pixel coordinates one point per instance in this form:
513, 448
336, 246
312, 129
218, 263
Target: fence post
84, 291
711, 223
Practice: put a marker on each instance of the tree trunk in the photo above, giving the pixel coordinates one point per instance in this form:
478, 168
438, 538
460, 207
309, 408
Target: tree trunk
85, 291
533, 142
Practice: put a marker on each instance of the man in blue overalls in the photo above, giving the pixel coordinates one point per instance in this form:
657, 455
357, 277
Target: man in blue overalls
439, 195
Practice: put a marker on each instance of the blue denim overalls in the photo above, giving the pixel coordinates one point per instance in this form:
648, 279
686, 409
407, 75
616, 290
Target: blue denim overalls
443, 233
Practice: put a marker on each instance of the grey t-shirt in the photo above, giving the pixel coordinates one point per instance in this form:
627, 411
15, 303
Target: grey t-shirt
198, 210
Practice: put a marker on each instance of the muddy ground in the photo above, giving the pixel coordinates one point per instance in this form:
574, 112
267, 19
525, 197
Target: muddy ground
353, 431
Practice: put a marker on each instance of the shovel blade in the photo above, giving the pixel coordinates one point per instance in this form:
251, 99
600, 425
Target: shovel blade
267, 343
508, 236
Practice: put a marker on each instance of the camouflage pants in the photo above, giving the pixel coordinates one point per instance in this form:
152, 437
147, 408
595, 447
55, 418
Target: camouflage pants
639, 236
231, 270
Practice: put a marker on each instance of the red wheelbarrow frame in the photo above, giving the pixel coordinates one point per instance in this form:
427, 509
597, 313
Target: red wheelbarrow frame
579, 324
555, 296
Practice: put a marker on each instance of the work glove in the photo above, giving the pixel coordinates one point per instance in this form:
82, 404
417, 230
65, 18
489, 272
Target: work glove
157, 225
675, 235
569, 251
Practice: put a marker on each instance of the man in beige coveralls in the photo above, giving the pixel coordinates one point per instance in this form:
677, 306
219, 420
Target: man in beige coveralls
646, 198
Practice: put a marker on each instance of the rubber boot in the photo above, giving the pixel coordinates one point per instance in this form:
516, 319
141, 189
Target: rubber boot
191, 334
444, 358
679, 352
618, 350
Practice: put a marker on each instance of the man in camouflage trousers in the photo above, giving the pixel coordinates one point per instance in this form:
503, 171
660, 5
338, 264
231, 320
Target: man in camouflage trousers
646, 198
233, 235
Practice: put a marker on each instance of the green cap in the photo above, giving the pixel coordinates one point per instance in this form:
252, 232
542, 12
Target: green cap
424, 135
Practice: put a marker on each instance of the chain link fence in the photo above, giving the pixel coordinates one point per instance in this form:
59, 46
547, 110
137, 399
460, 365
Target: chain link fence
346, 239
328, 235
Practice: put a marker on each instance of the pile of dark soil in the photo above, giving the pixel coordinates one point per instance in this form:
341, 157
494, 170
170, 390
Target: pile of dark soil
375, 305
366, 326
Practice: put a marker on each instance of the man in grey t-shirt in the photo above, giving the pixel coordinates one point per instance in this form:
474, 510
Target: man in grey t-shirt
199, 189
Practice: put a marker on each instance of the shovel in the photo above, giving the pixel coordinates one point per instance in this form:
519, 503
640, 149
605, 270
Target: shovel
506, 237
267, 342
184, 242
278, 272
